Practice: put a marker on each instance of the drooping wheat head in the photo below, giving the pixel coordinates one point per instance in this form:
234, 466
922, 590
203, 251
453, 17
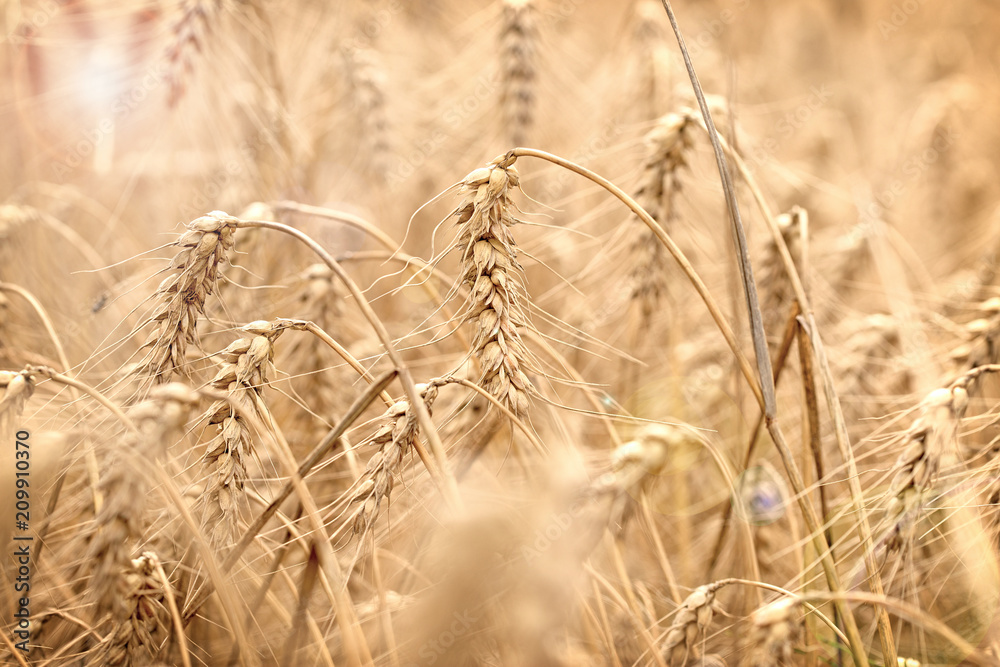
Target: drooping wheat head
691, 622
119, 525
393, 437
312, 364
497, 298
982, 338
667, 146
931, 437
180, 298
247, 365
18, 388
139, 629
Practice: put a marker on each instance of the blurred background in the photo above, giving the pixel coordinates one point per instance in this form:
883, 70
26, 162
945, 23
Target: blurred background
124, 119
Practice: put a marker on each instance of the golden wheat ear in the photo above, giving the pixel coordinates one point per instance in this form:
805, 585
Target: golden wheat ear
497, 299
180, 298
518, 53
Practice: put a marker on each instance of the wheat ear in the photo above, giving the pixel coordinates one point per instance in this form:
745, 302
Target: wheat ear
518, 39
367, 78
246, 367
394, 437
181, 296
691, 622
190, 35
668, 144
496, 282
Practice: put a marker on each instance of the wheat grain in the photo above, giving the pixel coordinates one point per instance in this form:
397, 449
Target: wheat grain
691, 622
18, 388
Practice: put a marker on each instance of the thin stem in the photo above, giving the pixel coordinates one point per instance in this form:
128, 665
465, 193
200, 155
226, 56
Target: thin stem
44, 317
739, 236
682, 260
833, 403
443, 472
51, 374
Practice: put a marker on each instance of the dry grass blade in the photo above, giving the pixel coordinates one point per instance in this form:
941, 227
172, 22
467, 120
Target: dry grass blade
739, 236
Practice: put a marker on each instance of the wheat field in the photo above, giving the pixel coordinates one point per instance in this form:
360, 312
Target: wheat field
474, 333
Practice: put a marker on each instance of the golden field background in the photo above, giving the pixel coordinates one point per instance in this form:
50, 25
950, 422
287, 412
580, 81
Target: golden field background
572, 533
